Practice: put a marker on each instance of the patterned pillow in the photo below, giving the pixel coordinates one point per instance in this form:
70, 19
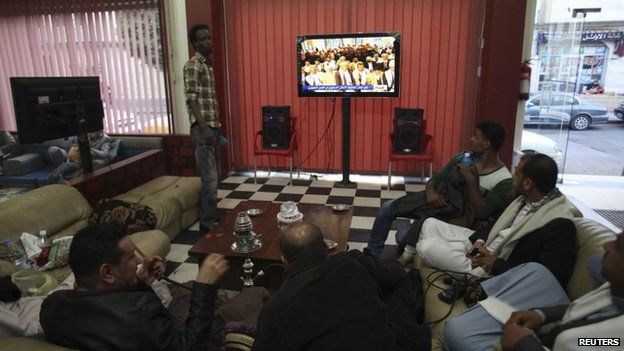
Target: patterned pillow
134, 217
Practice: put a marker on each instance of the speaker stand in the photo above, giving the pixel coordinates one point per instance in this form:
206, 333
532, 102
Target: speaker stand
346, 145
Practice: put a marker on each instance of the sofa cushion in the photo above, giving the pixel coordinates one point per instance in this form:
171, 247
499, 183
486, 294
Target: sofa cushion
590, 235
52, 207
152, 242
166, 208
185, 189
134, 217
22, 164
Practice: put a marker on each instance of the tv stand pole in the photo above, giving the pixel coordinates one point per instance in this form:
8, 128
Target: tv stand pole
83, 140
346, 144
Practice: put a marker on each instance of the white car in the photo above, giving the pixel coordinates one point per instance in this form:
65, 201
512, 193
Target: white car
535, 143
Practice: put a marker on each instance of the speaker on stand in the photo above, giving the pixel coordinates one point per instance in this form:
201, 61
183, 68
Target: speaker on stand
408, 130
276, 127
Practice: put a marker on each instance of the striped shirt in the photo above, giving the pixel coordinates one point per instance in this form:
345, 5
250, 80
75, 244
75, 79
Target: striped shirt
199, 85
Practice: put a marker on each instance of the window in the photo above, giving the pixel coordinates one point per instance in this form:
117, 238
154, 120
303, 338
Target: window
119, 41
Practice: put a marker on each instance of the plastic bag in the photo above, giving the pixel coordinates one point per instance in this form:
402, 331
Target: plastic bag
34, 283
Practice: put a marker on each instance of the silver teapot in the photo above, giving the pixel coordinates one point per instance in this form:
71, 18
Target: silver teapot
245, 240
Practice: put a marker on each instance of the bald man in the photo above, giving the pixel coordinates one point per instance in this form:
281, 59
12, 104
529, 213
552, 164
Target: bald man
345, 301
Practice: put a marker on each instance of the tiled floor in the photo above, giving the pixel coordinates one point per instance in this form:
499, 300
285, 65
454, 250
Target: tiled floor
370, 193
586, 192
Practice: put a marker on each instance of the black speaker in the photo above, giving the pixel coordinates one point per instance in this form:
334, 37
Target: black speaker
276, 127
408, 129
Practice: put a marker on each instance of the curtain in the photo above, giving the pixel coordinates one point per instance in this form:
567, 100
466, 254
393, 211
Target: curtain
118, 41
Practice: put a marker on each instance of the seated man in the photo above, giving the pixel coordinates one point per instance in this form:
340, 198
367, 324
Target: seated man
68, 164
597, 314
536, 227
112, 305
345, 301
453, 194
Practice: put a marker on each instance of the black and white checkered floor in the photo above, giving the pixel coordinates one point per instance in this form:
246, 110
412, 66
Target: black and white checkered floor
371, 192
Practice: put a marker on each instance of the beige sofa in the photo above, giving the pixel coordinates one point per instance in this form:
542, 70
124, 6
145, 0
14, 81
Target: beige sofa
591, 236
62, 210
174, 200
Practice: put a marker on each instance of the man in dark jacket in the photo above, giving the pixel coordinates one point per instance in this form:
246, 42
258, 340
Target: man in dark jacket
113, 307
345, 301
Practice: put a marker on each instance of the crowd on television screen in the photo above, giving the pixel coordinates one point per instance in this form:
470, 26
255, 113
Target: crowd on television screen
364, 64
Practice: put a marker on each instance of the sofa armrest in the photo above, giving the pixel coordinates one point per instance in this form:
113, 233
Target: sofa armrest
590, 236
20, 343
152, 242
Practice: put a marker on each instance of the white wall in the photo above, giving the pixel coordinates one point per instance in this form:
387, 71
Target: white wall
175, 16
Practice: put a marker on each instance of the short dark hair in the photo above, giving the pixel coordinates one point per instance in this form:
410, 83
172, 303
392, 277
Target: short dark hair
542, 170
294, 247
494, 132
194, 29
91, 248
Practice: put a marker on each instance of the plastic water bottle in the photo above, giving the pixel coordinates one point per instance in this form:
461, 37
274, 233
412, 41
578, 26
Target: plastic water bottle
44, 244
17, 255
467, 159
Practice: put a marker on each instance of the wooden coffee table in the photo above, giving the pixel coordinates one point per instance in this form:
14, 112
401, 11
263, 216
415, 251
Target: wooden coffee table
333, 224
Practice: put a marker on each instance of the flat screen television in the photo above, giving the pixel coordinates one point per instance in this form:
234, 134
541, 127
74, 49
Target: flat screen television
349, 65
49, 108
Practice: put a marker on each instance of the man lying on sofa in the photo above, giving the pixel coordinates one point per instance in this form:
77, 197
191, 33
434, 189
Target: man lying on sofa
536, 227
7, 145
595, 316
113, 306
103, 151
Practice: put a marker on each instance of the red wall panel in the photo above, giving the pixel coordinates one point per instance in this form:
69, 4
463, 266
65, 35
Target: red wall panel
438, 72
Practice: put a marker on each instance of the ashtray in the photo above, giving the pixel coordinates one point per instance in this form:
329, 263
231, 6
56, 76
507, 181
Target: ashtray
330, 243
252, 212
340, 207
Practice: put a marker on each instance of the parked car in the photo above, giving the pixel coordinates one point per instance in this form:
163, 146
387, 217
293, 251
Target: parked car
619, 111
536, 143
552, 108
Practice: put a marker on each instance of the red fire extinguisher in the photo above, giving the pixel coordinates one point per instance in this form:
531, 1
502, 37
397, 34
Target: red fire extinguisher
525, 80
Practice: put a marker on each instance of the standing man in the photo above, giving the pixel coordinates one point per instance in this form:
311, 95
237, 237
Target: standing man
201, 102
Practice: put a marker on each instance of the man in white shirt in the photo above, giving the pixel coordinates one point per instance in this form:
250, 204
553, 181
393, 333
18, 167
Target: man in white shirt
313, 78
531, 288
536, 227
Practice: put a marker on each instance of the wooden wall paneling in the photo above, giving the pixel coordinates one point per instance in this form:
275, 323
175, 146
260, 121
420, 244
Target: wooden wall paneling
438, 58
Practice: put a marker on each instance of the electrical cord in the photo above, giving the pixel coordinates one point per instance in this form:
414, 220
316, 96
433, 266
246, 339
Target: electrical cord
324, 133
442, 274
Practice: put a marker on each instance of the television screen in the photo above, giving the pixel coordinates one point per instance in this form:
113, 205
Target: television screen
51, 107
349, 65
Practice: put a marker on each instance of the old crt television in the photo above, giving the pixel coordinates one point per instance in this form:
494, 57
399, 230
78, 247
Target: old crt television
49, 108
349, 65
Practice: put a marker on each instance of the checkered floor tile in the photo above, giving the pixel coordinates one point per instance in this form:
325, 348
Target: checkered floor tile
370, 194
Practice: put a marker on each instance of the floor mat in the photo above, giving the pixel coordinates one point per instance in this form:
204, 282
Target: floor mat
615, 217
